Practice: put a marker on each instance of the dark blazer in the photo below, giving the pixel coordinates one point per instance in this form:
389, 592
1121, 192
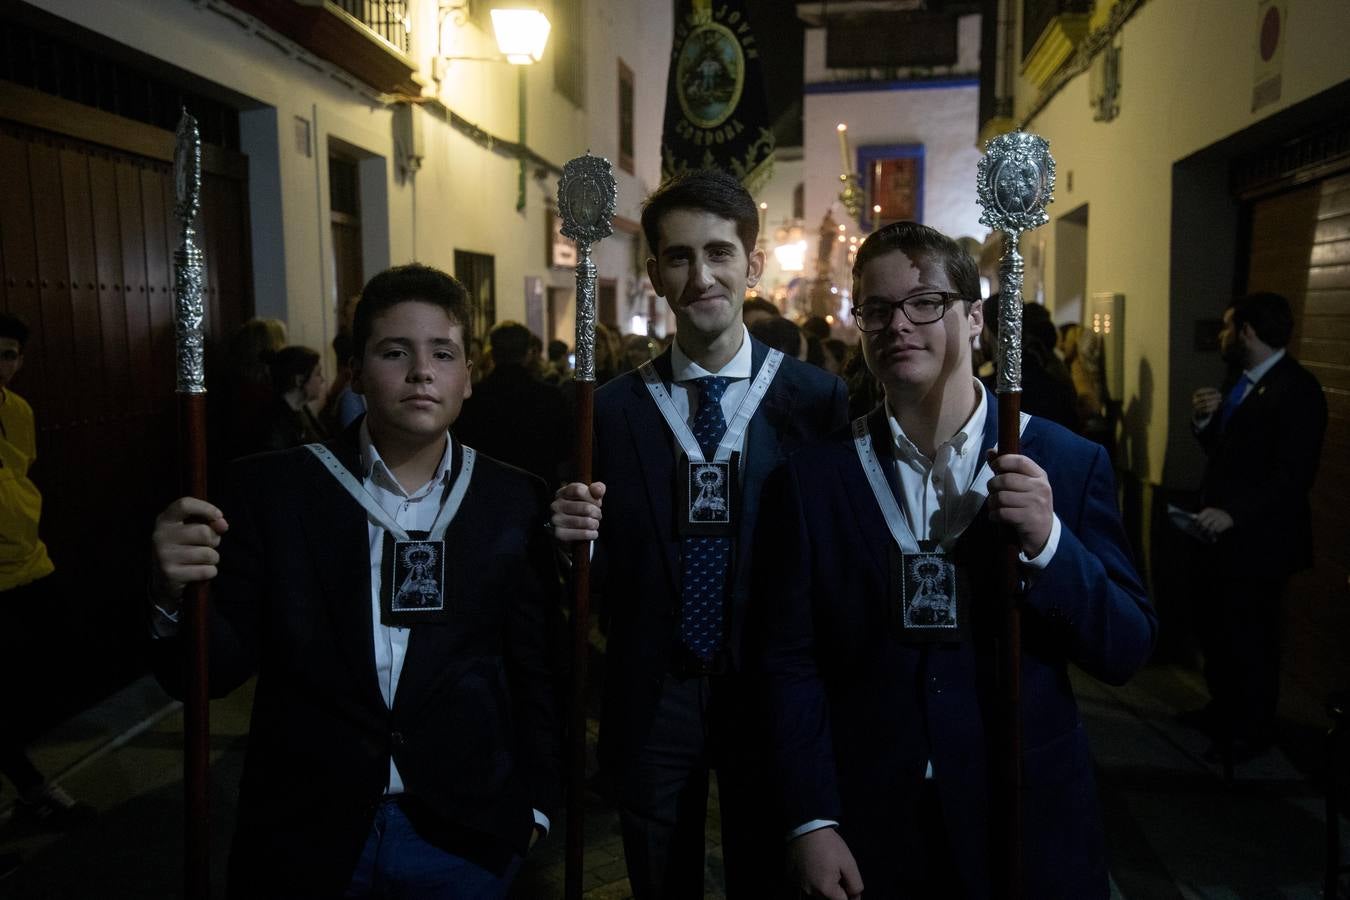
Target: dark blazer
1262, 465
473, 726
856, 714
638, 554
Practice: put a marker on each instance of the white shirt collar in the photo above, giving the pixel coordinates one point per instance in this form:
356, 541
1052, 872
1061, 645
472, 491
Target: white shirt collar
1258, 371
960, 442
373, 467
739, 366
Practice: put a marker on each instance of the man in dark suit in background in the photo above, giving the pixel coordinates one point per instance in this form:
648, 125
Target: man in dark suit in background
403, 739
1263, 438
680, 475
512, 415
877, 611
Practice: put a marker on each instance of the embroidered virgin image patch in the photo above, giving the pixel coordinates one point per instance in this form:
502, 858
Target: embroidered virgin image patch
418, 580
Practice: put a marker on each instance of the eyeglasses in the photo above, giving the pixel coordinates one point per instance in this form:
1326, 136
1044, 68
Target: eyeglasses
920, 309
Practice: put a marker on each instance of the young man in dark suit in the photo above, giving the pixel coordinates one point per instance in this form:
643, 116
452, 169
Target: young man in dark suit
1263, 439
394, 591
877, 605
680, 474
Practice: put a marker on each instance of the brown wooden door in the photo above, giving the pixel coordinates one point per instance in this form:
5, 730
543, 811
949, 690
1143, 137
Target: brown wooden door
1300, 247
87, 236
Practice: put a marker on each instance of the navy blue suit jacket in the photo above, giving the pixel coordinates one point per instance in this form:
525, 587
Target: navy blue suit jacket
855, 715
637, 563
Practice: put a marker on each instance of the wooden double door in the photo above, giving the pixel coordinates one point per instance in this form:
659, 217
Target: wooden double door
1300, 247
87, 236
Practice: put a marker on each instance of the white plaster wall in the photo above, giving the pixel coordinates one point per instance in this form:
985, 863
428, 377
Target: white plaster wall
1187, 82
777, 193
463, 197
943, 120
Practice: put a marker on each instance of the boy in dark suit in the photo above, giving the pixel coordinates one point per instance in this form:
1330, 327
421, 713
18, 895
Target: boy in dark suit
683, 445
394, 592
1263, 439
877, 587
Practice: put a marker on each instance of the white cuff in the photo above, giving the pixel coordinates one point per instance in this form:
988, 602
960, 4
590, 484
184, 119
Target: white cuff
1042, 559
541, 822
163, 624
813, 825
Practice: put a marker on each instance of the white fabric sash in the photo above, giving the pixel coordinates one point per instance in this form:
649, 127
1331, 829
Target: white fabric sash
968, 506
740, 420
449, 507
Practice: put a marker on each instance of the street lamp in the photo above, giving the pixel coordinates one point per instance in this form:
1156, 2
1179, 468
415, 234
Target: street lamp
521, 32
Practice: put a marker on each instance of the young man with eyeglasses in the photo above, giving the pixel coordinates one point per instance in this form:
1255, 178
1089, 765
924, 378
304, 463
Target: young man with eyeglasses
877, 574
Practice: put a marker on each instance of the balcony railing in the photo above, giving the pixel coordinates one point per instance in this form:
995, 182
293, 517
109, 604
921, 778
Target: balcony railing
1038, 15
387, 18
368, 38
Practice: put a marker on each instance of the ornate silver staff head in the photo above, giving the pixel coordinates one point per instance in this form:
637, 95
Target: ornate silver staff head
1016, 182
188, 267
586, 198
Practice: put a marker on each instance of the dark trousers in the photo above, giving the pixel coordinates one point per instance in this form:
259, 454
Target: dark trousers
1241, 628
20, 609
663, 798
909, 854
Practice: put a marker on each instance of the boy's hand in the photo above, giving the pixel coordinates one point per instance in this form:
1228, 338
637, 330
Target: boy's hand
576, 512
1020, 496
184, 541
822, 866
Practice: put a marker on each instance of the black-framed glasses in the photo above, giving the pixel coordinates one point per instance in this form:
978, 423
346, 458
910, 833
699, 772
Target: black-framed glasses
920, 309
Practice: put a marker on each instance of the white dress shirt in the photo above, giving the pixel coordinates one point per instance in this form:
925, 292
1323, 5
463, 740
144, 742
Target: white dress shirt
685, 393
931, 490
1253, 375
414, 511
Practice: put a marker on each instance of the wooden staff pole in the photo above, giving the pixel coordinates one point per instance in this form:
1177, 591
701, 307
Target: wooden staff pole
189, 275
586, 198
581, 612
1016, 180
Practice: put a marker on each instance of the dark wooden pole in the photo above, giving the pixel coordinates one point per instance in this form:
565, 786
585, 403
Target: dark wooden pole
586, 198
1015, 182
196, 705
189, 340
581, 616
1009, 441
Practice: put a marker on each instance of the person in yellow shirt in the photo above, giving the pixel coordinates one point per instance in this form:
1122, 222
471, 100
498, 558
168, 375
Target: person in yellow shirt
25, 581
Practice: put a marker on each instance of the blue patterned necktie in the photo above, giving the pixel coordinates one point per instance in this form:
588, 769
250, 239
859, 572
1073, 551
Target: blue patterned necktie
703, 583
1234, 398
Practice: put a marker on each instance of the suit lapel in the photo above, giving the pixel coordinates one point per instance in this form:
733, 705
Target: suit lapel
654, 455
763, 443
1262, 393
876, 534
337, 534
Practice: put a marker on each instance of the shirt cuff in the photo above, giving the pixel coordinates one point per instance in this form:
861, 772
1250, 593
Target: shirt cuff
541, 822
1199, 423
1042, 559
813, 825
163, 624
